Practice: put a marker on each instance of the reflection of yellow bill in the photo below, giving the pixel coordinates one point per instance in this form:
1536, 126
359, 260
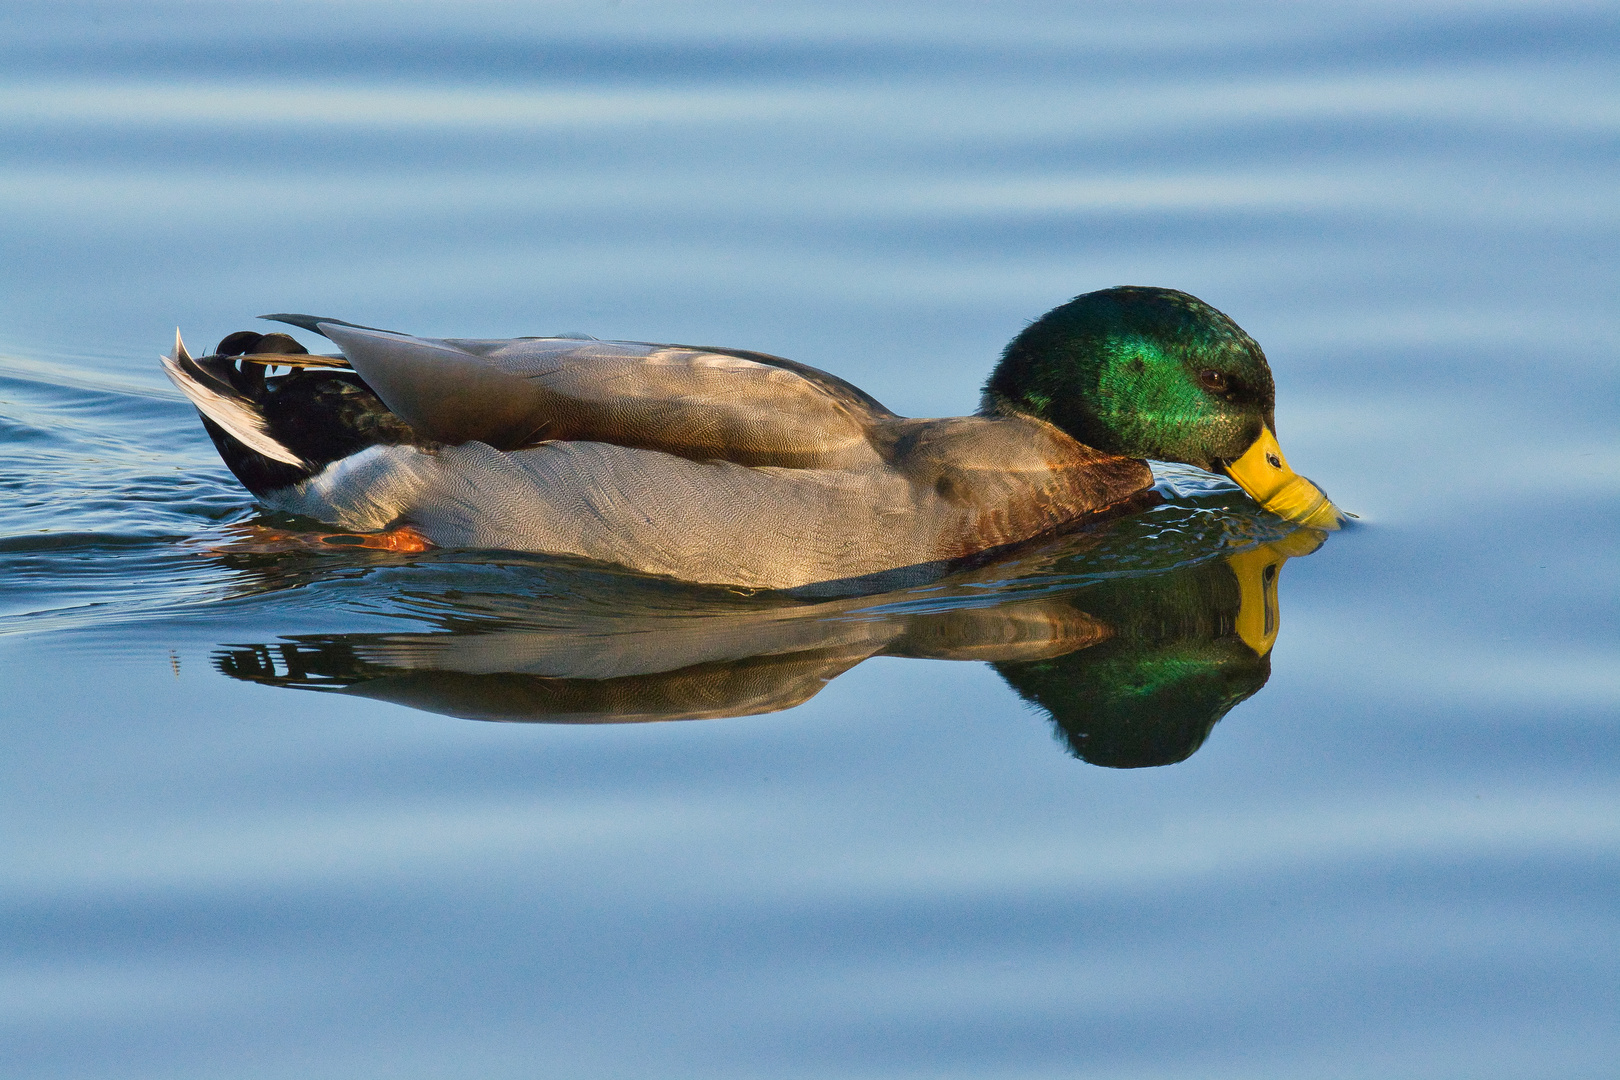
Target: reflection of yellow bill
1257, 570
1263, 472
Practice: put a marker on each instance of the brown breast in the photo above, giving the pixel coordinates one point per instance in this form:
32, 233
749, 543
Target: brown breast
1002, 480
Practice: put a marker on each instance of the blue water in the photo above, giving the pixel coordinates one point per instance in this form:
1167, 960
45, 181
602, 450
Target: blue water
249, 829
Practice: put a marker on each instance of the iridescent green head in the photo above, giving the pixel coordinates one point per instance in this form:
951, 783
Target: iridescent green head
1155, 373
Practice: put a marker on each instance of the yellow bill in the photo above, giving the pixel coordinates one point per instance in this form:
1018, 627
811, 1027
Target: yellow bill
1263, 472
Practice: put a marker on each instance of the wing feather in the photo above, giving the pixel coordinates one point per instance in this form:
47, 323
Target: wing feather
688, 402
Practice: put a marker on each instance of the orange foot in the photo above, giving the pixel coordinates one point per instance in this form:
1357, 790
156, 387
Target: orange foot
403, 538
259, 540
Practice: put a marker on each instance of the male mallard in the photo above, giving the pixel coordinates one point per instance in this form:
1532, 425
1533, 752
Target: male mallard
736, 467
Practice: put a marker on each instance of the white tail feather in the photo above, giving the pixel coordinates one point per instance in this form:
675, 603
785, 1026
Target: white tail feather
244, 423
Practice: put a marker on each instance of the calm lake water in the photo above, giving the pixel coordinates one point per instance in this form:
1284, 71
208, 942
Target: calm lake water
255, 823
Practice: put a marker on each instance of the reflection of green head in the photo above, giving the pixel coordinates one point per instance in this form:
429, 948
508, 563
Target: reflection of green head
1151, 694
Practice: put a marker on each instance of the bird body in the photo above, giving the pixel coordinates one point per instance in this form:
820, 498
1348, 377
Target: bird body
712, 465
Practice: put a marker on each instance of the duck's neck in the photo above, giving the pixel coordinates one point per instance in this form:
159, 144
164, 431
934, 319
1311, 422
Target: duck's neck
1046, 374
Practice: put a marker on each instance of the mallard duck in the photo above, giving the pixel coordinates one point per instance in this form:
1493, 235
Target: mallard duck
733, 467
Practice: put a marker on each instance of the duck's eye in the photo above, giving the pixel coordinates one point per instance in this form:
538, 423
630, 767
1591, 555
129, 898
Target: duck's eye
1212, 379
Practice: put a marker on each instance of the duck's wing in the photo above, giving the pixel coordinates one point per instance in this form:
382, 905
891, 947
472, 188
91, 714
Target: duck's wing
696, 403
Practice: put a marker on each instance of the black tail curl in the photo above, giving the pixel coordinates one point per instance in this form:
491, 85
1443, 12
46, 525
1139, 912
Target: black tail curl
318, 411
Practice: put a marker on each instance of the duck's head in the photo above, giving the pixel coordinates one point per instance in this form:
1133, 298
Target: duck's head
1156, 373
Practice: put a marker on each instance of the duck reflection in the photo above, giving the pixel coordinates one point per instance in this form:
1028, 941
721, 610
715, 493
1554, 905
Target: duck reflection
1185, 647
1133, 666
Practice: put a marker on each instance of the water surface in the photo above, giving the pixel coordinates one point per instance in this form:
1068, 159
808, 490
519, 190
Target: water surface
257, 823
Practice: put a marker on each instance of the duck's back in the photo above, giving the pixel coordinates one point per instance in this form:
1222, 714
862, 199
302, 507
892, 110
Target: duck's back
701, 404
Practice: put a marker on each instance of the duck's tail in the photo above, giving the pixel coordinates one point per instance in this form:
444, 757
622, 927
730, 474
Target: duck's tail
277, 432
228, 388
230, 409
